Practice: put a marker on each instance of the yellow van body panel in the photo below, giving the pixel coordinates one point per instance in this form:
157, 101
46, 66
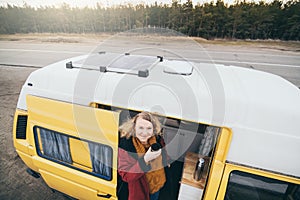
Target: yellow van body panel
73, 119
232, 167
218, 164
82, 124
77, 190
71, 175
24, 147
81, 150
74, 189
27, 159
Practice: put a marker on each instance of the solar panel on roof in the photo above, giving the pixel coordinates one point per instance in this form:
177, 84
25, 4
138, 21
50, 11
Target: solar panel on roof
123, 63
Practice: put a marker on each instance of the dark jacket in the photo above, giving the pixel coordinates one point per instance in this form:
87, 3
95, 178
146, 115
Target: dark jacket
132, 169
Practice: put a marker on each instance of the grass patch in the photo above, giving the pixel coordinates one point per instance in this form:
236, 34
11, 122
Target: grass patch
54, 38
273, 44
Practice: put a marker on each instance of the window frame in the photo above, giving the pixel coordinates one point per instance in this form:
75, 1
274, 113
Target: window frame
39, 153
230, 167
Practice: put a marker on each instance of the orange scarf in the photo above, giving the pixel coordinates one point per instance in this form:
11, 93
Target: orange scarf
156, 177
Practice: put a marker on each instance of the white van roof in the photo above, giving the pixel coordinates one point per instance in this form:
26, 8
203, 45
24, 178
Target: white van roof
262, 109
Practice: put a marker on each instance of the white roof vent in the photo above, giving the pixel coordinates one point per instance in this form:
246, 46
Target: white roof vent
178, 67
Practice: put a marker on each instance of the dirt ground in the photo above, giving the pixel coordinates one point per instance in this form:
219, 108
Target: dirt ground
93, 38
15, 182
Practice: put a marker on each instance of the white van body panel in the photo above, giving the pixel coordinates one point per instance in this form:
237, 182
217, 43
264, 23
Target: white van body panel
262, 109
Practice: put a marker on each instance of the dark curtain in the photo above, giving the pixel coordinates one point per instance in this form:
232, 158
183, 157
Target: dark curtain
101, 157
55, 145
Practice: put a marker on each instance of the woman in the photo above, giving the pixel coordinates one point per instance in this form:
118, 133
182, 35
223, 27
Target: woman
139, 165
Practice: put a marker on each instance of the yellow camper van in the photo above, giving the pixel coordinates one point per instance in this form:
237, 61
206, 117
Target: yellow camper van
243, 123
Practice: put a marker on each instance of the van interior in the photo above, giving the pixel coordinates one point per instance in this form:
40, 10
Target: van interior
186, 142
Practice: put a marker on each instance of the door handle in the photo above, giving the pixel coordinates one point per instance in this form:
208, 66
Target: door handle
107, 196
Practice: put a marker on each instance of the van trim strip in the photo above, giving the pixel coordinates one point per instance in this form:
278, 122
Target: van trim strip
261, 169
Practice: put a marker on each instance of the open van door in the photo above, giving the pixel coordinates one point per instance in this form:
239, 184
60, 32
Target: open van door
74, 147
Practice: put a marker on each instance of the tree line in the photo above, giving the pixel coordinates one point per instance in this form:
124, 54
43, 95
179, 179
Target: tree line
241, 20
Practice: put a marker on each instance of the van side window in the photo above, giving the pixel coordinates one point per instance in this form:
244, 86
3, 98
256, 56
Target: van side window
101, 159
77, 153
243, 185
55, 145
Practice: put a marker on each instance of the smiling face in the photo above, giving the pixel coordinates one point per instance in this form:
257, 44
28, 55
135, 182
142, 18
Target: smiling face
143, 130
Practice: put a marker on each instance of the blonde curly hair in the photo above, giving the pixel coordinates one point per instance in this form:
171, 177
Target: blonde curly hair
127, 129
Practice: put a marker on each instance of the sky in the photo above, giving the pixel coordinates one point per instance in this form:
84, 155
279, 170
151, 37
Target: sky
93, 3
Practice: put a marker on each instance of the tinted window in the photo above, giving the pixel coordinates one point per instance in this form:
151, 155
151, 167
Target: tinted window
242, 185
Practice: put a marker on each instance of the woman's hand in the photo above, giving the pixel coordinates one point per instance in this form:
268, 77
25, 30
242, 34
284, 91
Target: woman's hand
151, 155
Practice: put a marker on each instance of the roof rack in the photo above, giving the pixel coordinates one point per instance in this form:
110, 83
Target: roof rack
120, 63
